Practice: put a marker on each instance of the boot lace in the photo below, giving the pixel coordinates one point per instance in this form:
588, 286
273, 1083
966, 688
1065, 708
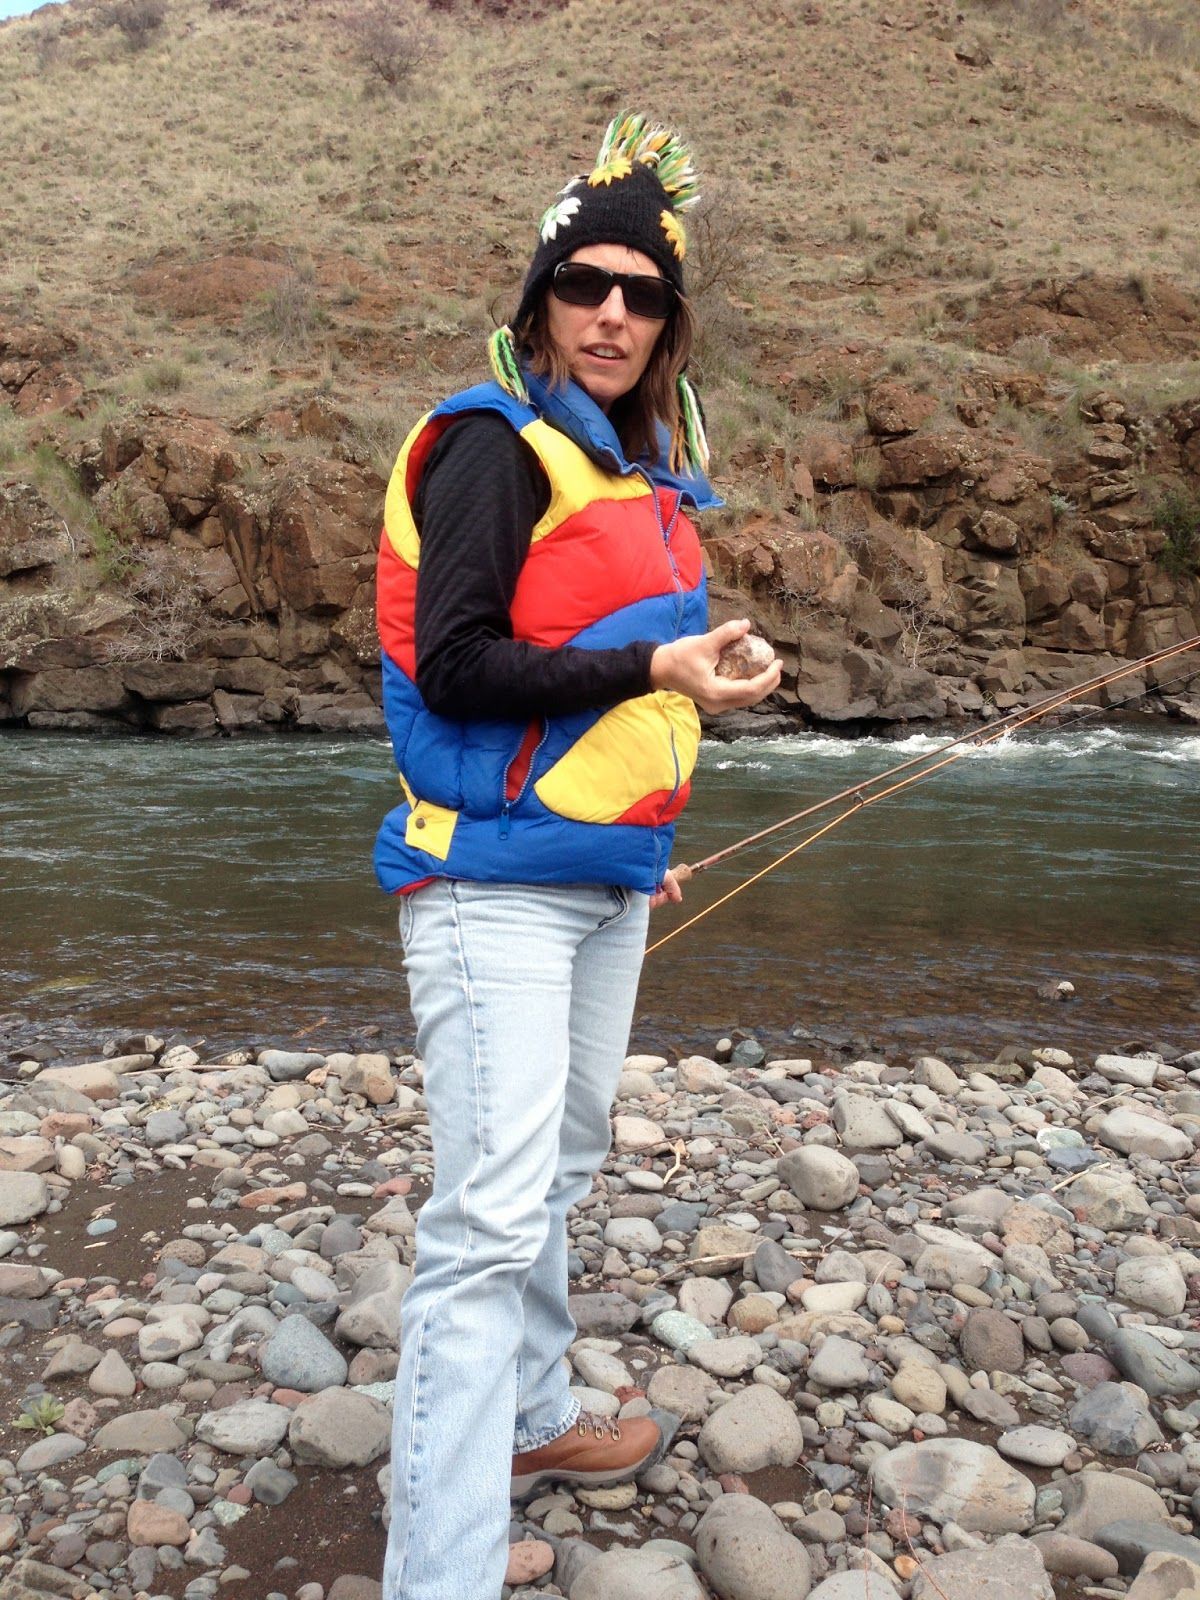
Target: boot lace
587, 1422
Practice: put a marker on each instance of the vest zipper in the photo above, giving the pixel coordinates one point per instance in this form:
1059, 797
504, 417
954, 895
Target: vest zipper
667, 530
507, 805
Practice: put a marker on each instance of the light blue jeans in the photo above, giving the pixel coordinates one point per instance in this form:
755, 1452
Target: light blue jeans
523, 997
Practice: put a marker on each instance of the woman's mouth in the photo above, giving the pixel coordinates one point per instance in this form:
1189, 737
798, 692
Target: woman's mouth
604, 352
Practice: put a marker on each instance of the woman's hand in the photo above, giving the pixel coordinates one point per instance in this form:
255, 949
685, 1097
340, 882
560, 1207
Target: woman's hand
689, 667
669, 894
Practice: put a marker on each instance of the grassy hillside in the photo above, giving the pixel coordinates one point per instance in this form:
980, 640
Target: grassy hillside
235, 209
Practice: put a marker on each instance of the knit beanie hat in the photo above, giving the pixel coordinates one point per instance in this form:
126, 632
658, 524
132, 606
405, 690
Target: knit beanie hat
635, 195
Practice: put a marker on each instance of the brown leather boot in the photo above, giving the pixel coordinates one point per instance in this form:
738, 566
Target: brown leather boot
593, 1451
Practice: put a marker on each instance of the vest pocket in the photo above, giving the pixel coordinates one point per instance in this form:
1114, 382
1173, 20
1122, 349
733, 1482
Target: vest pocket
642, 750
430, 828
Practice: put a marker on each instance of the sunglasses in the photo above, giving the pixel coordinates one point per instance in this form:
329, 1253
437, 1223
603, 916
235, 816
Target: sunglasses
579, 284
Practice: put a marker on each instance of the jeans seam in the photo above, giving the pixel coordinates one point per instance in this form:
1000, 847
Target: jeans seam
468, 1231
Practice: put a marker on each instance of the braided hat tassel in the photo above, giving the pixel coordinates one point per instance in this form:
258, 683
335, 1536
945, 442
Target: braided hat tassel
691, 440
506, 368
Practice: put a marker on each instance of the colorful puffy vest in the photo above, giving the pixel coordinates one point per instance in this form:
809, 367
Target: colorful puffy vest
585, 798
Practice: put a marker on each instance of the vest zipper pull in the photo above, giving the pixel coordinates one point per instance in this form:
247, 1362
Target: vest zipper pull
505, 819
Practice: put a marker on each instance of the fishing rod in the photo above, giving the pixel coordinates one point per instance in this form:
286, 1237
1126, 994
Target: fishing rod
953, 750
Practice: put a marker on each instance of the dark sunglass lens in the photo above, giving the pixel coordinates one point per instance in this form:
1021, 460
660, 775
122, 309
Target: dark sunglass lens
648, 297
581, 285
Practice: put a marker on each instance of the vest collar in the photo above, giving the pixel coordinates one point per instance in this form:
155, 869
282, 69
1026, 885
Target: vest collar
573, 411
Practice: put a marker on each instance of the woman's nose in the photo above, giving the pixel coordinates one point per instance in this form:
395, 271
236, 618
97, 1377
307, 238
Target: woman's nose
613, 308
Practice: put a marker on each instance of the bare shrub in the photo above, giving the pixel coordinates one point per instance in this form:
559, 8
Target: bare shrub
168, 608
900, 585
721, 247
390, 40
47, 42
290, 314
138, 20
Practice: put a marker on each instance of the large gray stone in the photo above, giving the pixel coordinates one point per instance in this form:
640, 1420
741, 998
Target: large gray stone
1146, 1361
1114, 1420
602, 1315
1133, 1134
140, 1433
1092, 1500
1154, 1282
287, 1066
863, 1123
1135, 1070
46, 1454
1167, 1577
991, 1342
956, 1480
746, 1553
299, 1356
839, 1364
757, 1428
1011, 1569
23, 1196
339, 1428
371, 1317
164, 1127
861, 1585
247, 1428
1131, 1542
650, 1573
820, 1178
1107, 1200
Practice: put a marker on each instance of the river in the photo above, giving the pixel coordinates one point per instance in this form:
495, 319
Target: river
222, 890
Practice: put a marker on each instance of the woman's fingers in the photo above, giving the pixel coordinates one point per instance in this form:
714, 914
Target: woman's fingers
732, 694
689, 666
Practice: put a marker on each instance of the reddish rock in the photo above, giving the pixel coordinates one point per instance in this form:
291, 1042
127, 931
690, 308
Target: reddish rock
65, 1124
323, 533
393, 1186
895, 408
151, 1524
26, 1153
830, 461
286, 1194
1089, 1369
528, 1560
926, 457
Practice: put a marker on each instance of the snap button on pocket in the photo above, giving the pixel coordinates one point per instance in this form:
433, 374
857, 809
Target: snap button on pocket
419, 822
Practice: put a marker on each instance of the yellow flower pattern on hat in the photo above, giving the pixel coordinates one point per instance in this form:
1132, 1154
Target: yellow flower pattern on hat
610, 171
674, 230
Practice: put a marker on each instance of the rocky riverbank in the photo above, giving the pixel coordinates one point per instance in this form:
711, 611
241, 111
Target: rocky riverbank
918, 1330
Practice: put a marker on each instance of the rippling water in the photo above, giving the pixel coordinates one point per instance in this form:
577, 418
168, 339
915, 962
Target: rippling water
224, 889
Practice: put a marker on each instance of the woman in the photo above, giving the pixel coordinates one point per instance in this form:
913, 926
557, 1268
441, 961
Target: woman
542, 613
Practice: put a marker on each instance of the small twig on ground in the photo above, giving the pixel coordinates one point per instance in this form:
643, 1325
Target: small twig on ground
907, 1537
1099, 1167
677, 1165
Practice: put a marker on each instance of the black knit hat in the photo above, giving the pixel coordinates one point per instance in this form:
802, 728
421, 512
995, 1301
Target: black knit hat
631, 209
635, 195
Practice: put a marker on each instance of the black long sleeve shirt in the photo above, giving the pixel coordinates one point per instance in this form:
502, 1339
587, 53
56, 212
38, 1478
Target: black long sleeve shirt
480, 495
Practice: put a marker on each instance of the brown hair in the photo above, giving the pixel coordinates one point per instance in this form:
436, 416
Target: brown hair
654, 399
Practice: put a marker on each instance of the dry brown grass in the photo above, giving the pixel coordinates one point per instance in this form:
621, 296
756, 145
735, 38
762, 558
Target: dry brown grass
860, 173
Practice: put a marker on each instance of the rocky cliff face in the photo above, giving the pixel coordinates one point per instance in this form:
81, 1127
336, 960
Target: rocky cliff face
949, 570
927, 561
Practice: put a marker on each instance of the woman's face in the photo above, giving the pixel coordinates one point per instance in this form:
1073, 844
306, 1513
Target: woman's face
605, 348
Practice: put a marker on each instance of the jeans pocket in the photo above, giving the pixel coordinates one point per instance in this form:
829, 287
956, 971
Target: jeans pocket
621, 903
406, 919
